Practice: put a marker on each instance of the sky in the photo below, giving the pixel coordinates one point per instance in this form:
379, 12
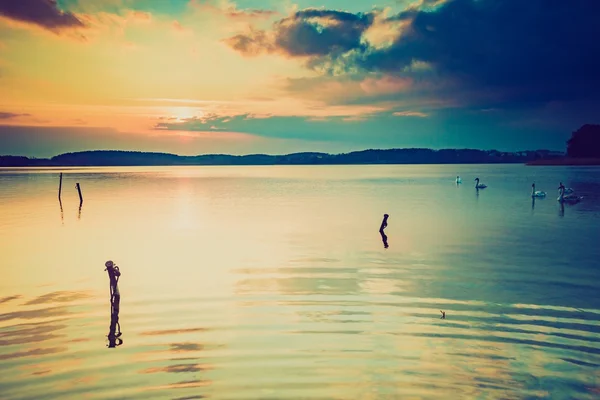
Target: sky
248, 76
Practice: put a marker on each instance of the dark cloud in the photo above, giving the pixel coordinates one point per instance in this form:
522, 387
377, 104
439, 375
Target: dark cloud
533, 51
251, 44
8, 115
44, 13
310, 32
528, 50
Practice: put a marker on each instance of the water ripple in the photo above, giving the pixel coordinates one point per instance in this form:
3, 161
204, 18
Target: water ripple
276, 286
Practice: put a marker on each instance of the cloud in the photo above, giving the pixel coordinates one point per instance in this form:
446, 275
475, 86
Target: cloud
198, 124
323, 128
385, 85
102, 22
384, 30
43, 13
9, 115
140, 16
306, 33
231, 11
177, 27
252, 43
410, 114
372, 89
471, 51
520, 49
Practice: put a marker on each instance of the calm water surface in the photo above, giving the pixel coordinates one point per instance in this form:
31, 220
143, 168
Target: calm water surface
274, 283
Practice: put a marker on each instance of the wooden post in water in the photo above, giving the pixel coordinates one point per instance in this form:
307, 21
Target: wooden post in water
59, 187
384, 222
79, 191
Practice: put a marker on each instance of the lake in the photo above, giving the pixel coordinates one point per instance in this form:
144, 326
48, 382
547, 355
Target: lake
273, 282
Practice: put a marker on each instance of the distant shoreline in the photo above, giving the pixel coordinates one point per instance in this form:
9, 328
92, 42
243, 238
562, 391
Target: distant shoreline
117, 158
564, 161
73, 166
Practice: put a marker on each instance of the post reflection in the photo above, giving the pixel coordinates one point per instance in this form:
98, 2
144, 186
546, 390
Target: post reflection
114, 332
384, 237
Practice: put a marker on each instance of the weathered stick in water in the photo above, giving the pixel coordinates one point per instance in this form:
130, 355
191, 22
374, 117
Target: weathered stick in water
384, 222
59, 186
79, 191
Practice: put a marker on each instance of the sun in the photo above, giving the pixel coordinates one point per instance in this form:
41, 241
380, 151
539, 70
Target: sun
181, 114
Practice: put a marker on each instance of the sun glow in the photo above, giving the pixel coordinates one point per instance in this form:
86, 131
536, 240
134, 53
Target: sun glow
182, 114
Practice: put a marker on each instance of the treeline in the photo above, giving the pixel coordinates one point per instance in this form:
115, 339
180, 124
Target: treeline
585, 142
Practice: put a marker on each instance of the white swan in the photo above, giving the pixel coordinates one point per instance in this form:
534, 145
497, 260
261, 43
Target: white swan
458, 180
569, 198
537, 193
567, 190
479, 185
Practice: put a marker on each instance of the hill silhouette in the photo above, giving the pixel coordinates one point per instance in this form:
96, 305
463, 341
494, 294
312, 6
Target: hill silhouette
390, 156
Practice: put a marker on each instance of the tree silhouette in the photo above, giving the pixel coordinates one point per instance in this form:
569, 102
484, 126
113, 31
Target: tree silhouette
585, 142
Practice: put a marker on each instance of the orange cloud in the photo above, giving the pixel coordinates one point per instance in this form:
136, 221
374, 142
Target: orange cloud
231, 11
180, 29
385, 85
